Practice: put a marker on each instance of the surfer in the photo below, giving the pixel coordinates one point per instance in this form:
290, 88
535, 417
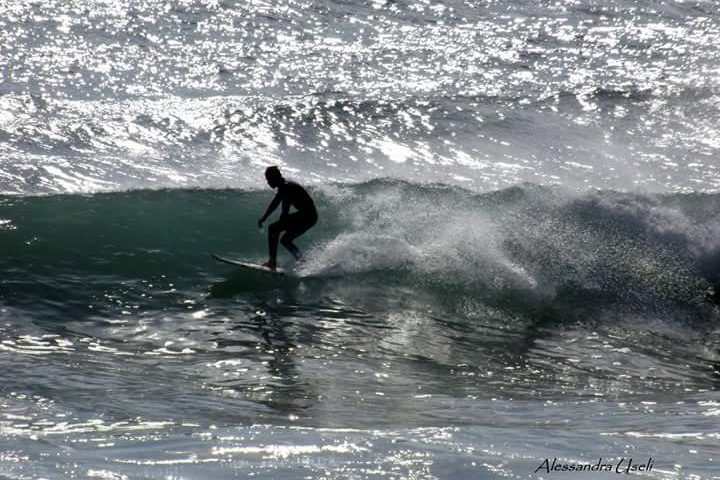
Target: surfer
293, 224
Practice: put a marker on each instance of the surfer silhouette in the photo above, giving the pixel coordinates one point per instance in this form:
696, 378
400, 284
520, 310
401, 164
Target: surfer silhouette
289, 194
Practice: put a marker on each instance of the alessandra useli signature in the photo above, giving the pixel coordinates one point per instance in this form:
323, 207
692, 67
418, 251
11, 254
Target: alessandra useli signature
623, 466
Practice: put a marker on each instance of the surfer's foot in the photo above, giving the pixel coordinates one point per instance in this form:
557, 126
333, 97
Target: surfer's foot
270, 264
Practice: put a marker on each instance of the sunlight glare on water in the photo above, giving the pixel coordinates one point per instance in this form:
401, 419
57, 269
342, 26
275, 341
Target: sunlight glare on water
116, 95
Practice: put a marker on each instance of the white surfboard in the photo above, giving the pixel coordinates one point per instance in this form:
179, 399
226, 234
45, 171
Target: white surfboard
249, 265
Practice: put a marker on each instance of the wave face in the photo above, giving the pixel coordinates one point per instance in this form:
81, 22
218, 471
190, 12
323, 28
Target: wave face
612, 95
527, 254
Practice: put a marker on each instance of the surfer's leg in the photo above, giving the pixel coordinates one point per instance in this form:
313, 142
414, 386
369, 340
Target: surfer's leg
292, 248
274, 231
297, 225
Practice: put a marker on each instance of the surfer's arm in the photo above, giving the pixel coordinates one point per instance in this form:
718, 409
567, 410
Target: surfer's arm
271, 208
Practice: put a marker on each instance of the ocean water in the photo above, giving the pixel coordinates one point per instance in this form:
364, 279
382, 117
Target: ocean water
516, 268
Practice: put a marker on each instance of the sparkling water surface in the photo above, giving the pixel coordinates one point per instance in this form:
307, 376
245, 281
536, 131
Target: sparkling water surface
116, 95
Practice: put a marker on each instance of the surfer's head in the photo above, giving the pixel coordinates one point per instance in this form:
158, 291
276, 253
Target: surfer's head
273, 176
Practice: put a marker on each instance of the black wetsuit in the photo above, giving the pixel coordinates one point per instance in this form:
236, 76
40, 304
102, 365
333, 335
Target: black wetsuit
293, 224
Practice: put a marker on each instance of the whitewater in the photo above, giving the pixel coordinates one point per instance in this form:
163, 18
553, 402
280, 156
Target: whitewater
516, 266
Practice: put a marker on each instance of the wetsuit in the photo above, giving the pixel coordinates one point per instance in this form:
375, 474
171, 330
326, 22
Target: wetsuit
290, 194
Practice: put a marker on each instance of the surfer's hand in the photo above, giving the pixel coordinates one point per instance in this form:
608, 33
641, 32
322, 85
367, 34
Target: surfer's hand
260, 223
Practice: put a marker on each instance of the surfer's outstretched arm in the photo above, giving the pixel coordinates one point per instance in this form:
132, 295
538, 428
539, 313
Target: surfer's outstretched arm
271, 208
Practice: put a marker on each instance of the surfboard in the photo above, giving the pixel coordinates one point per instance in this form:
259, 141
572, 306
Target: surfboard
248, 265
